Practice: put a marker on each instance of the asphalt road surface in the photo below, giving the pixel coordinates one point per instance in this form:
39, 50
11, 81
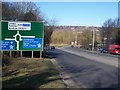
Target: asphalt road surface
87, 69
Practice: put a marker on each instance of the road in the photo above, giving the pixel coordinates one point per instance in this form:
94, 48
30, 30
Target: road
87, 71
99, 57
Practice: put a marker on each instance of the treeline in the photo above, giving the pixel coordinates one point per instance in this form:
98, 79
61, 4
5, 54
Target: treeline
63, 37
83, 38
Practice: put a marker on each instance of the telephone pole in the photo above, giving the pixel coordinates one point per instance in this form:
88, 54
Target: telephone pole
93, 41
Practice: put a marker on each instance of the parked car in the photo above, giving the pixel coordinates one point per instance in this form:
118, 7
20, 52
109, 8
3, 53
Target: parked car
72, 45
52, 47
103, 50
114, 49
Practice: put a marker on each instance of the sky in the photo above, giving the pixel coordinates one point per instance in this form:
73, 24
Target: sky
79, 13
60, 0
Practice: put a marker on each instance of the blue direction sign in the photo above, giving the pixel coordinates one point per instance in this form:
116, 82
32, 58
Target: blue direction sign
32, 43
8, 45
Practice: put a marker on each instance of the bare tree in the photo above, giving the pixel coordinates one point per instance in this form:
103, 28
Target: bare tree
30, 17
18, 10
47, 34
110, 32
106, 32
6, 10
117, 29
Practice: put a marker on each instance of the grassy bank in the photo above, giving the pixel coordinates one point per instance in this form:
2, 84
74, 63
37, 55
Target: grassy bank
31, 73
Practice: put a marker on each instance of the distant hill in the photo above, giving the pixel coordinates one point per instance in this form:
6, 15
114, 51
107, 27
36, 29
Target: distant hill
77, 28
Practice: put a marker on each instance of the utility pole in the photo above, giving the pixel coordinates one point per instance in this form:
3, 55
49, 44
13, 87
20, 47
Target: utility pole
93, 41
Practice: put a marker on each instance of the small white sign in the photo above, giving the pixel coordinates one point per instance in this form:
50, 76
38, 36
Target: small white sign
72, 43
19, 26
75, 42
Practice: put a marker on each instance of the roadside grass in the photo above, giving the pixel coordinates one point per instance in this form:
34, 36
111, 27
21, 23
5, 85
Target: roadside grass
31, 73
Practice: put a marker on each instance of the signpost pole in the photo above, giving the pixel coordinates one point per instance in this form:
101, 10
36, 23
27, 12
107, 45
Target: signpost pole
1, 55
93, 40
10, 54
20, 53
40, 54
32, 54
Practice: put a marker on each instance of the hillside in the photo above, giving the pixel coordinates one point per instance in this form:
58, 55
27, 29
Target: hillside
77, 28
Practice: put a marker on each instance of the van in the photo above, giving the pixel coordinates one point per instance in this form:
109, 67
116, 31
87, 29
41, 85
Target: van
114, 49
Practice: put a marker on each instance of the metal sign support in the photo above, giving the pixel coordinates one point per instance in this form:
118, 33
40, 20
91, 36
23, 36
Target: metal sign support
1, 54
40, 54
20, 53
32, 54
10, 54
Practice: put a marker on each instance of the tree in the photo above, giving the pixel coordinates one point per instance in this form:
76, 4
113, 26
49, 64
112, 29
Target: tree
106, 32
19, 11
29, 16
48, 30
117, 40
47, 34
117, 28
86, 38
6, 11
110, 32
63, 37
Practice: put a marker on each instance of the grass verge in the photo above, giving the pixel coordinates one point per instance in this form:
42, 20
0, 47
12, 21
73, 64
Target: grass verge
31, 73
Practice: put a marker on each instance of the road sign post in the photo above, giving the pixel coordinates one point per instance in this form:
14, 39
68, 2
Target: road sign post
40, 54
32, 54
22, 36
20, 53
10, 54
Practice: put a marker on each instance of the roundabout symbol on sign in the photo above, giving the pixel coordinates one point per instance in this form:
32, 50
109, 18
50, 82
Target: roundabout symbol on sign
20, 38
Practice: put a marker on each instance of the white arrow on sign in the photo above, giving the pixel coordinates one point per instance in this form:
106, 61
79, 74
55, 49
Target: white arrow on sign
39, 45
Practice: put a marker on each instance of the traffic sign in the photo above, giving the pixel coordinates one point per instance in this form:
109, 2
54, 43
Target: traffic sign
32, 43
8, 45
19, 26
22, 33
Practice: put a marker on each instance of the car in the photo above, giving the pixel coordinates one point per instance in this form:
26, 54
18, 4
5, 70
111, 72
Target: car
114, 49
103, 50
72, 45
52, 47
